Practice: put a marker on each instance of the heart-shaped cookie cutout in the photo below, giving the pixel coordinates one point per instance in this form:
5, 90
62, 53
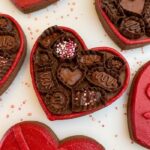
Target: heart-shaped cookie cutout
12, 50
28, 6
139, 107
125, 21
73, 81
37, 136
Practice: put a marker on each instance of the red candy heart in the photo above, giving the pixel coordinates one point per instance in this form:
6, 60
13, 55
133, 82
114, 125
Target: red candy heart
139, 107
97, 80
37, 136
121, 33
12, 50
32, 5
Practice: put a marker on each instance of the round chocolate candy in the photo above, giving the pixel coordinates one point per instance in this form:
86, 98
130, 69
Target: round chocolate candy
132, 27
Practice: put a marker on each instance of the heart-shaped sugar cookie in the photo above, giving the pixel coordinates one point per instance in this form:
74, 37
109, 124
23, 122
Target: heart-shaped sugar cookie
28, 6
12, 50
127, 22
73, 81
139, 107
37, 136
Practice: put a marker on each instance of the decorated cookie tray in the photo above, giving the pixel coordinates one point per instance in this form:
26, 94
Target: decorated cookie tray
82, 31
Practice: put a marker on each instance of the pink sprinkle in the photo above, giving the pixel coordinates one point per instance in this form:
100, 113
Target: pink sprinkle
29, 114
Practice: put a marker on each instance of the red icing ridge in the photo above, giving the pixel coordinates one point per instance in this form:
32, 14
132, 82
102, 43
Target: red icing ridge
74, 115
37, 136
139, 108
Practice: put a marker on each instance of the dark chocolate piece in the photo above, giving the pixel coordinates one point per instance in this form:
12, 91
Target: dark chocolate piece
5, 24
65, 48
133, 6
115, 64
132, 27
113, 10
57, 102
146, 15
49, 36
87, 99
45, 81
99, 77
79, 82
90, 58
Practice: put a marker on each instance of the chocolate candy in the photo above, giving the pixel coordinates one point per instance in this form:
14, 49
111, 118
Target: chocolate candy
101, 78
5, 24
76, 81
65, 48
69, 75
57, 101
113, 10
44, 81
114, 63
90, 58
133, 6
132, 27
87, 99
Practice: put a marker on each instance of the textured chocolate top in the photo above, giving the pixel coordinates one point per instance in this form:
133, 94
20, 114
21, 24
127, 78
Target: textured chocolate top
9, 44
71, 79
131, 17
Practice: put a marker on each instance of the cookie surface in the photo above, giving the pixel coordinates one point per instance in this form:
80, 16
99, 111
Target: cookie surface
37, 136
71, 81
12, 50
28, 6
139, 107
125, 21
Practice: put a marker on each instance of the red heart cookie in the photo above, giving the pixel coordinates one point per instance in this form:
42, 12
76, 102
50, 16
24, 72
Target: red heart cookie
126, 22
28, 6
139, 107
12, 50
71, 81
37, 136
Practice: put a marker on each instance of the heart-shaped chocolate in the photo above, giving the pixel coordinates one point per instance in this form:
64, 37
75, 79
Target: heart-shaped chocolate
71, 81
139, 107
70, 75
12, 50
37, 136
127, 22
28, 6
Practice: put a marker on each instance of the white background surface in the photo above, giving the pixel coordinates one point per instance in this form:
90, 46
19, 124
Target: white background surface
19, 102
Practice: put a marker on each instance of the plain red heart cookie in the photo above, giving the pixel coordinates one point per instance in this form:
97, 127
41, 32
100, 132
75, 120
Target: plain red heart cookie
139, 107
28, 6
127, 22
12, 50
37, 136
71, 81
